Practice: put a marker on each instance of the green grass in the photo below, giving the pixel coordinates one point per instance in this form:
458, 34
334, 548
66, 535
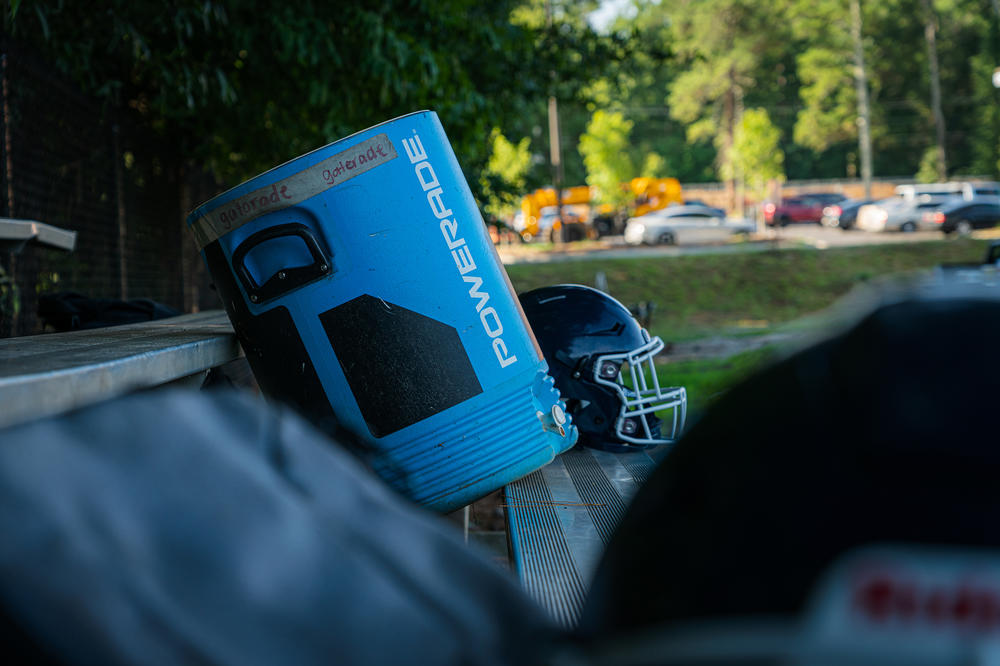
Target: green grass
706, 380
731, 294
741, 294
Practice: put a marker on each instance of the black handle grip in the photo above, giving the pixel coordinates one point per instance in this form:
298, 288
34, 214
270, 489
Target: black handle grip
286, 279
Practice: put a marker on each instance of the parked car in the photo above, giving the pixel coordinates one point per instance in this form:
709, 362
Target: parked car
699, 202
800, 208
550, 225
964, 189
963, 216
844, 213
988, 191
901, 214
683, 224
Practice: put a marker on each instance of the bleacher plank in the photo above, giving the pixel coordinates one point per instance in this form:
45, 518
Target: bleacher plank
561, 517
46, 374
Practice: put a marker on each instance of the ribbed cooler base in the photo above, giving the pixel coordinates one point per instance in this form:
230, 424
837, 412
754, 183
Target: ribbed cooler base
497, 443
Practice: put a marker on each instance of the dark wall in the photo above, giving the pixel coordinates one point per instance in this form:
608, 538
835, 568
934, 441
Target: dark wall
66, 161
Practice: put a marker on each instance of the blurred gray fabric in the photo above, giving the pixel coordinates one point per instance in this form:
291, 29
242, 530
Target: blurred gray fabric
182, 527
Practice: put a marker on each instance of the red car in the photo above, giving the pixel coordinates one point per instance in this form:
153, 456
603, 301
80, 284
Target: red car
800, 208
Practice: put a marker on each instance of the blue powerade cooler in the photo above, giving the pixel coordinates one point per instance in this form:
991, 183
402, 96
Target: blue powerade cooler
366, 292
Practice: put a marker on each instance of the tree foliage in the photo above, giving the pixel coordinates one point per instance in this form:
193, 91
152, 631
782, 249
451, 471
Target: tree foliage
505, 174
605, 149
242, 85
757, 155
830, 103
638, 88
724, 43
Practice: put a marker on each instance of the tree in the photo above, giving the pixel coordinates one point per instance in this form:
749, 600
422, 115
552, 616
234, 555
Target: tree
757, 157
654, 166
861, 87
638, 87
929, 171
930, 36
243, 85
723, 43
834, 77
504, 176
829, 102
578, 56
606, 154
982, 122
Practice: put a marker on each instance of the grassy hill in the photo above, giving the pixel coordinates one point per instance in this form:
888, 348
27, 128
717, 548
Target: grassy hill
706, 296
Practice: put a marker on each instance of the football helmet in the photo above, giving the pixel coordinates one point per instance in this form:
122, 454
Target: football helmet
602, 362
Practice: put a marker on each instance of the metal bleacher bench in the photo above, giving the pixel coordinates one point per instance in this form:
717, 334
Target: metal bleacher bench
559, 517
42, 375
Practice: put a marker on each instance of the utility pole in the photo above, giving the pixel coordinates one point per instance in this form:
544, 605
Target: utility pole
555, 149
555, 156
995, 48
729, 111
117, 156
861, 86
930, 35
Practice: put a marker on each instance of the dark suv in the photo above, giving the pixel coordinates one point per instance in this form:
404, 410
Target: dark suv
800, 208
962, 216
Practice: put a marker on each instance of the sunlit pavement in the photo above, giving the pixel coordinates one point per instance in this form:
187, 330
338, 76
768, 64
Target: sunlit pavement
796, 236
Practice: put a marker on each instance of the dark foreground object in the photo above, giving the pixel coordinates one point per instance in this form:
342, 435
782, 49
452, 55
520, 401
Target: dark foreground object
181, 528
209, 528
884, 434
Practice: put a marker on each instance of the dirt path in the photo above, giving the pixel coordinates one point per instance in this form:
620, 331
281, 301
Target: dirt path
721, 347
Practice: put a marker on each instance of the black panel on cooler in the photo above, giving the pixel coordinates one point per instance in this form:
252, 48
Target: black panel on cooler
402, 366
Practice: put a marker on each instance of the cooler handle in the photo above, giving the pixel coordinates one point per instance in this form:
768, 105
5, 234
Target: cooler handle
286, 279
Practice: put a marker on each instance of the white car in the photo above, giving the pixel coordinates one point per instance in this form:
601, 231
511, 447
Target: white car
683, 224
899, 214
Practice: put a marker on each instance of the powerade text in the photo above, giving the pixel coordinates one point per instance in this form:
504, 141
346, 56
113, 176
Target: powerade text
428, 180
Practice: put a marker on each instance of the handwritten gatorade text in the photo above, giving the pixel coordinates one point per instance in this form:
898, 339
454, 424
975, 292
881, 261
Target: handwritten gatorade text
294, 189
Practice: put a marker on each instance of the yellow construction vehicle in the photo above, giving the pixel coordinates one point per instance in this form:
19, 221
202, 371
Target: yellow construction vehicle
583, 218
539, 217
654, 194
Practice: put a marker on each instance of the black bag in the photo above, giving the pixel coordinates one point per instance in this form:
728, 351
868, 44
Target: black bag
70, 311
885, 433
